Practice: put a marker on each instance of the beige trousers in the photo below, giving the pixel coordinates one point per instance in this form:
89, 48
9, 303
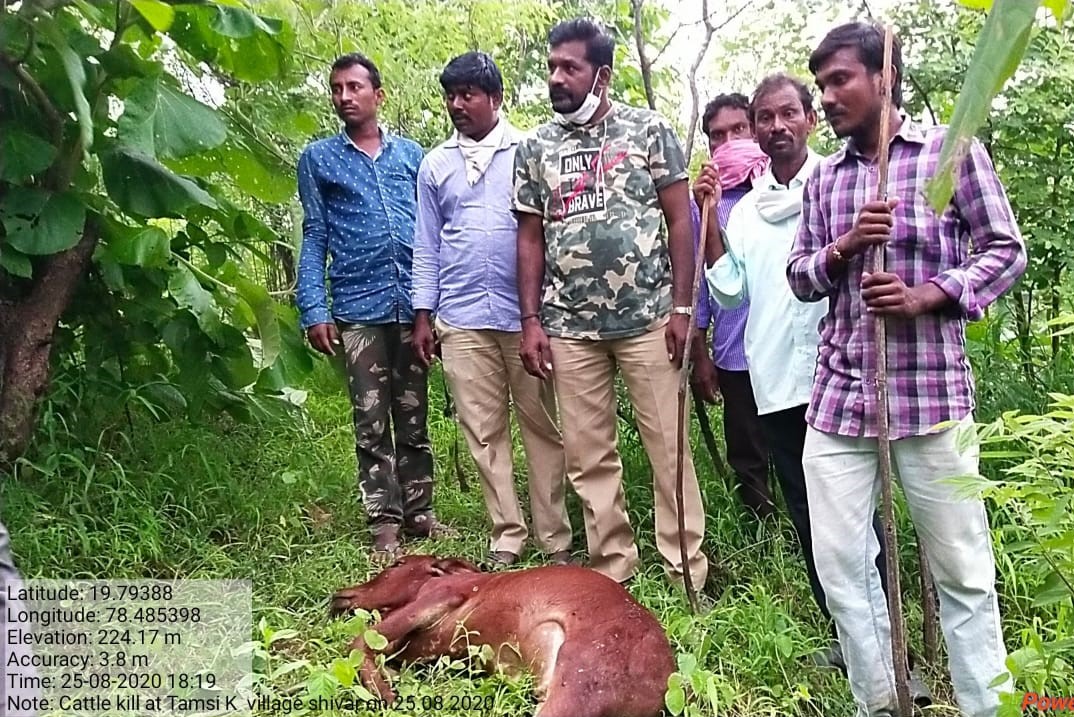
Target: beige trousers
584, 373
483, 369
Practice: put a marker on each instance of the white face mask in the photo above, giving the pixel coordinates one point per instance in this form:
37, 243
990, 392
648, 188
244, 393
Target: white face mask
587, 109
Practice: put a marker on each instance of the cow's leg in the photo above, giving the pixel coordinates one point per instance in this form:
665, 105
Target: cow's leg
430, 606
351, 599
580, 665
545, 640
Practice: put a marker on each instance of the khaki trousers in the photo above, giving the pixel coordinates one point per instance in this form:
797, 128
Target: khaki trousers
584, 373
483, 368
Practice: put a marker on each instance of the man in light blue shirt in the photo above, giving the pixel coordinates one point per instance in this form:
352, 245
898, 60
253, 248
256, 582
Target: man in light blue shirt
359, 202
465, 276
748, 261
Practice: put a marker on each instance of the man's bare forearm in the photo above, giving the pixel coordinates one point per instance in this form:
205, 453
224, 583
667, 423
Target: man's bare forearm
675, 202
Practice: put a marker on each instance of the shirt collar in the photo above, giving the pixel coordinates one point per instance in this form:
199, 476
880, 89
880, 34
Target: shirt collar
909, 131
386, 138
511, 137
769, 181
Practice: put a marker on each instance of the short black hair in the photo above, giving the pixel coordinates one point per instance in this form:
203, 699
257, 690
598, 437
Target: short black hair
777, 81
868, 39
356, 58
599, 45
733, 100
473, 68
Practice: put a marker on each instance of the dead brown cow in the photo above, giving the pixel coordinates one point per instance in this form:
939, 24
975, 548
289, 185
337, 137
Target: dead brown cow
594, 651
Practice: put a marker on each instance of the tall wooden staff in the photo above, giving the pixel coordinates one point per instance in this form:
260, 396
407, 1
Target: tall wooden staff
680, 446
898, 634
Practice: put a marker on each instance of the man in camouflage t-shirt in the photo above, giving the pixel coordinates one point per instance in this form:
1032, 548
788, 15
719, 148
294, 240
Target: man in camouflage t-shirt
593, 190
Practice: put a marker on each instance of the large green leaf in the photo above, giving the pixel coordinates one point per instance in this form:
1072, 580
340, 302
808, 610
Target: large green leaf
264, 309
294, 361
249, 47
269, 184
248, 170
146, 246
15, 262
140, 185
39, 222
191, 295
1000, 47
76, 76
163, 122
239, 22
22, 155
158, 14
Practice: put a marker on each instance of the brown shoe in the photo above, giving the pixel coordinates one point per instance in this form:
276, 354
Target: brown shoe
386, 546
427, 526
561, 557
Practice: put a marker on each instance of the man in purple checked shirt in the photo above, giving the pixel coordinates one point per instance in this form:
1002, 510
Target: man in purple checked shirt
941, 270
724, 371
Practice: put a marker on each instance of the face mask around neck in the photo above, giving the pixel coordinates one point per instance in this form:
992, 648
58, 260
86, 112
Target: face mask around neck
587, 109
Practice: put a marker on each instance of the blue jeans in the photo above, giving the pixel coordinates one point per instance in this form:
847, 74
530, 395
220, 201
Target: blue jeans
843, 488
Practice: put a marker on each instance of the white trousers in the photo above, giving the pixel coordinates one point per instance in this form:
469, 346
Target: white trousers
843, 488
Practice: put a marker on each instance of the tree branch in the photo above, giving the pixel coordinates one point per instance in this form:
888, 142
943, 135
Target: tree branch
643, 60
40, 97
710, 30
692, 75
924, 95
667, 43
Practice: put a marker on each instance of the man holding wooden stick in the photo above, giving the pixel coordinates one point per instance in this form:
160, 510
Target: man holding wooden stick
940, 272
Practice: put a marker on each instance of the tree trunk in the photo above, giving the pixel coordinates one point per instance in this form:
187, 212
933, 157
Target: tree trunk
27, 327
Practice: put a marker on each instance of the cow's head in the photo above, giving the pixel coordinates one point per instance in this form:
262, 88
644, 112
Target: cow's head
398, 584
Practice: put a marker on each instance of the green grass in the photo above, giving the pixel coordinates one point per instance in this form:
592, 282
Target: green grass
276, 503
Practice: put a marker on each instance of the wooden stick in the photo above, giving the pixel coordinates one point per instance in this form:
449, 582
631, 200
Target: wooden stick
709, 437
898, 633
680, 445
929, 620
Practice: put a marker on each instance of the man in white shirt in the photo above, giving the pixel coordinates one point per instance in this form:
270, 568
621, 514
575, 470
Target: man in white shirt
748, 261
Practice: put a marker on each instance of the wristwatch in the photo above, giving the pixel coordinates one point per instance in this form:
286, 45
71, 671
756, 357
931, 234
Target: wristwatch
688, 310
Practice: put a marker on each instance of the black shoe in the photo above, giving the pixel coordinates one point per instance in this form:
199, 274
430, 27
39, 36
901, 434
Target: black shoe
561, 557
830, 657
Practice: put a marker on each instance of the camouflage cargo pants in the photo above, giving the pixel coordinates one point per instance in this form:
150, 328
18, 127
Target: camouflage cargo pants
387, 386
